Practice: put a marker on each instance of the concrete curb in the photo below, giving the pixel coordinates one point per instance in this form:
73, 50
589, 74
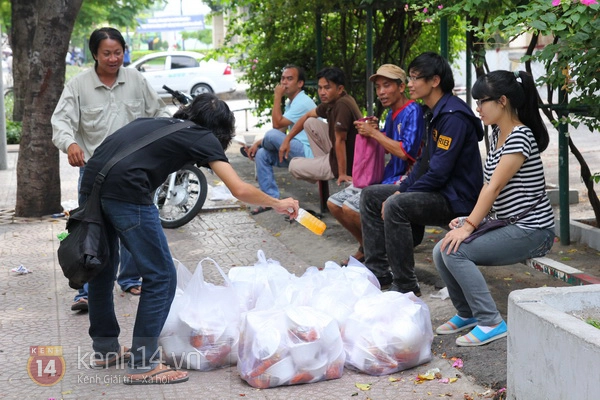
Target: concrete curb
561, 271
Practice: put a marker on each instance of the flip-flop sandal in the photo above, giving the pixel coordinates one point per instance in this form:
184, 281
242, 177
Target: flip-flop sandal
135, 290
154, 378
120, 358
259, 210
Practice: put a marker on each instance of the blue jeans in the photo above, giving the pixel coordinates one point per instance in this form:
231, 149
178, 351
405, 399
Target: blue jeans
504, 246
268, 156
128, 274
139, 230
389, 242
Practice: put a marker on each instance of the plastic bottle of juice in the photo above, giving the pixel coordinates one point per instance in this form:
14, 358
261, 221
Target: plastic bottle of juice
309, 221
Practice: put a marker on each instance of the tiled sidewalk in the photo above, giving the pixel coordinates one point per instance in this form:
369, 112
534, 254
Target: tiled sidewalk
35, 311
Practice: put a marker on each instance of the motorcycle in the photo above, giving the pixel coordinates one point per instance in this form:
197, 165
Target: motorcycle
181, 197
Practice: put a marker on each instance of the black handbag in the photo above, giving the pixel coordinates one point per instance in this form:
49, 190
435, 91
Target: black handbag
85, 251
490, 224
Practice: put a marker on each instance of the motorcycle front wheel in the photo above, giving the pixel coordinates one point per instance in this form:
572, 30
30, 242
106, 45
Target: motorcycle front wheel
186, 200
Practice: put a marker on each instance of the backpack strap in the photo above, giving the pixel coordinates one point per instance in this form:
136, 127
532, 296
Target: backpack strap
140, 143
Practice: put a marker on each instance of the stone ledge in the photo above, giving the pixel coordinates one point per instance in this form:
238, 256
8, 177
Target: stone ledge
552, 353
554, 196
583, 233
561, 271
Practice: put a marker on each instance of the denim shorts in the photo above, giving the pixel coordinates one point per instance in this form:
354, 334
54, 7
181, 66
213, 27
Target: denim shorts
350, 197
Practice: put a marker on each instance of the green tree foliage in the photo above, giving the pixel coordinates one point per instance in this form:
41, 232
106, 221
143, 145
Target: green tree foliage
571, 61
39, 33
120, 14
268, 34
5, 15
203, 36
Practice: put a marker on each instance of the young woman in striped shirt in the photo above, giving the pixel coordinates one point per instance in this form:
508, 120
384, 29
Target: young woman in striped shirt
513, 184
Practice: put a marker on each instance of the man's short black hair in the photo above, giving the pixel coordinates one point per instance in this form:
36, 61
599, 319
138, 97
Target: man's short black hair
430, 64
300, 70
332, 74
213, 114
101, 34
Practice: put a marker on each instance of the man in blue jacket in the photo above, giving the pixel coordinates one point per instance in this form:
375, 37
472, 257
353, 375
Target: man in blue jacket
443, 184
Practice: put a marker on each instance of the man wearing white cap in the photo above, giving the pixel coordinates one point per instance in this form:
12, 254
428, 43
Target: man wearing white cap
401, 137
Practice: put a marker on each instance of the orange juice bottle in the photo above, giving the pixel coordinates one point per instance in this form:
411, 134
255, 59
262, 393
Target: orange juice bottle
309, 221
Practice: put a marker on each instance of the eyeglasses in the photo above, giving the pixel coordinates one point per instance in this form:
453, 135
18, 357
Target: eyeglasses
414, 78
480, 102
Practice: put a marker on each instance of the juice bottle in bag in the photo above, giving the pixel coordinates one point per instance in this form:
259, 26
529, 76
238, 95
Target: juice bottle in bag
309, 221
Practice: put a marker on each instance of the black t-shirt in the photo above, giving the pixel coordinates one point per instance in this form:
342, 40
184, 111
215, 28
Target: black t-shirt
134, 178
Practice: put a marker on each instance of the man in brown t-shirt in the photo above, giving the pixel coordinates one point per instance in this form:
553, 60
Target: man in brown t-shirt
332, 143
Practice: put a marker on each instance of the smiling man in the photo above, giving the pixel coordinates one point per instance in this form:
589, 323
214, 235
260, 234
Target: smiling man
400, 137
332, 143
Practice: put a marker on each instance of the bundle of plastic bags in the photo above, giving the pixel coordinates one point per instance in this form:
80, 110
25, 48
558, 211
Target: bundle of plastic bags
202, 328
288, 346
257, 286
338, 289
387, 333
284, 330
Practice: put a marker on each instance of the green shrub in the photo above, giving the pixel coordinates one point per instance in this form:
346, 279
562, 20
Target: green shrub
13, 129
13, 132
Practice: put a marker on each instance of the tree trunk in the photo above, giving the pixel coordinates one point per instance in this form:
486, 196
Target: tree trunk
586, 175
41, 30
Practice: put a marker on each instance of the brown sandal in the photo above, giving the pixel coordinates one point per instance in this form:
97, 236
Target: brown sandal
154, 377
259, 210
120, 358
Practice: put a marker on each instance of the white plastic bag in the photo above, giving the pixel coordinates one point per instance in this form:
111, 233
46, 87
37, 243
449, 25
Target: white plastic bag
297, 344
173, 323
340, 288
207, 327
258, 285
387, 333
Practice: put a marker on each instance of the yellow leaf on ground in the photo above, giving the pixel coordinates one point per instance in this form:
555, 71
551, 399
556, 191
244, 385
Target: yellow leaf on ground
363, 386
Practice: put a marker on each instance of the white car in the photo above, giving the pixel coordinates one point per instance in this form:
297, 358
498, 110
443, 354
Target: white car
187, 72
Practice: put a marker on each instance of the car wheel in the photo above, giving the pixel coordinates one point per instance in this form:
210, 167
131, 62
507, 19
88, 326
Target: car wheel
201, 88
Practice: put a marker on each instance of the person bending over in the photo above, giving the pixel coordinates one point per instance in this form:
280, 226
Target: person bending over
132, 218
